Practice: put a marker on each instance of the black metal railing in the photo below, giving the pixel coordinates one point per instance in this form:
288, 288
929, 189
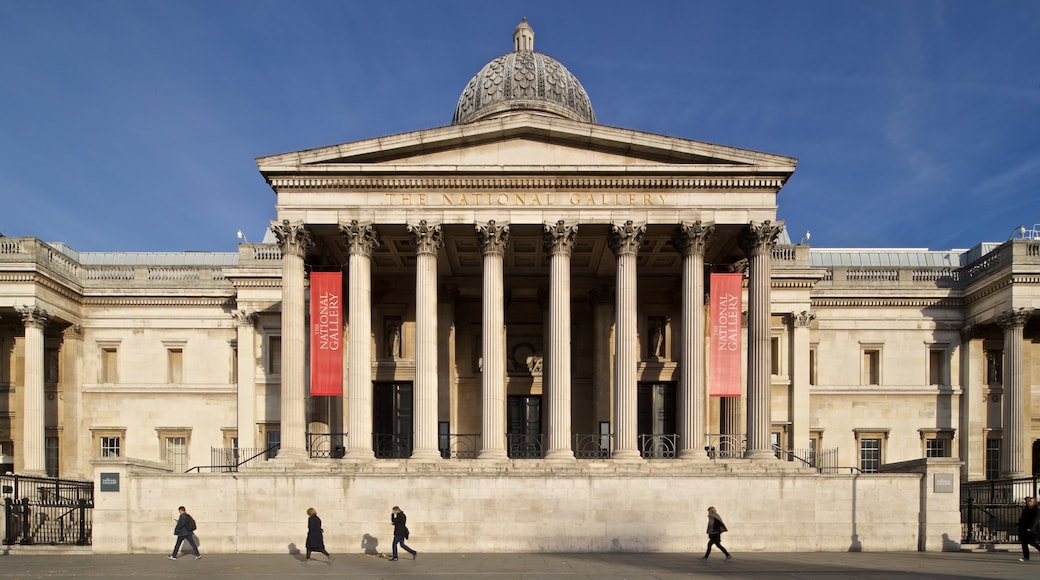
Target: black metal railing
459, 445
392, 445
990, 509
524, 446
45, 510
823, 461
326, 445
658, 446
592, 445
230, 459
725, 446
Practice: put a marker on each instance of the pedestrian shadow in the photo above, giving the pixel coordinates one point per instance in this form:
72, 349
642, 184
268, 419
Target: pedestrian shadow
370, 544
295, 552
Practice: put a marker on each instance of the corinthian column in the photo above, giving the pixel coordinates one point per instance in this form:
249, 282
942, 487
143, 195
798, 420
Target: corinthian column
560, 239
33, 431
1013, 448
624, 241
428, 240
692, 241
493, 239
362, 239
294, 239
758, 242
245, 322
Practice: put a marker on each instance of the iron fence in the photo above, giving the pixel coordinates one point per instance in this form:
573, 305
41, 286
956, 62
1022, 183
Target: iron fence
725, 446
459, 445
990, 509
326, 445
229, 459
658, 446
392, 445
45, 510
524, 446
592, 445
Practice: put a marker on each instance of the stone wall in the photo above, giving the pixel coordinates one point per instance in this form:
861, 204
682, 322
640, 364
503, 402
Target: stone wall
532, 506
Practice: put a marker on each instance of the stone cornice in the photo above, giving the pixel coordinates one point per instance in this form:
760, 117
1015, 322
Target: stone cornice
45, 281
595, 182
887, 302
152, 301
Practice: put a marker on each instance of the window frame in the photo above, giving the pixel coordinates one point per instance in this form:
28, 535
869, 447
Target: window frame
872, 434
870, 376
108, 361
101, 438
165, 435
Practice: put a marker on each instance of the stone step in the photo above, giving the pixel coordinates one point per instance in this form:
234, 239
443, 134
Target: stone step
46, 550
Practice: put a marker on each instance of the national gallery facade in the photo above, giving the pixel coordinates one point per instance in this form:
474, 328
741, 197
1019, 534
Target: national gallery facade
523, 290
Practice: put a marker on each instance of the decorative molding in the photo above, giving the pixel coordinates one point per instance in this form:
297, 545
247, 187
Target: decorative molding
548, 184
886, 303
122, 301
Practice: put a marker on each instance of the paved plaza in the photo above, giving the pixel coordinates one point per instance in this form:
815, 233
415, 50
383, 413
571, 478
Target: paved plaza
631, 566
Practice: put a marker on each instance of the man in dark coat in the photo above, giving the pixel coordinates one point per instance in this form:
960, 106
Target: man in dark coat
1028, 526
183, 530
398, 519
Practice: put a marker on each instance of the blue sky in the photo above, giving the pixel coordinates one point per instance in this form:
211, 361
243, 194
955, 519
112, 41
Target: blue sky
135, 125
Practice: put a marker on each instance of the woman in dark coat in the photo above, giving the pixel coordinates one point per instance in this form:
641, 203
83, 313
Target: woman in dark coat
315, 535
715, 529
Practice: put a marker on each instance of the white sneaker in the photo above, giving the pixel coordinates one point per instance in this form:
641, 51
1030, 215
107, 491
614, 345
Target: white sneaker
172, 557
198, 557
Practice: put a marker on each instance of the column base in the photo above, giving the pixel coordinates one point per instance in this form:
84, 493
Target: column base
626, 455
560, 455
426, 455
694, 455
493, 455
760, 454
34, 473
291, 456
359, 454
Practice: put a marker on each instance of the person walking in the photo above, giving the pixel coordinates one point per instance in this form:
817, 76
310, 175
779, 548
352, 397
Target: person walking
183, 530
398, 520
715, 529
1028, 527
315, 535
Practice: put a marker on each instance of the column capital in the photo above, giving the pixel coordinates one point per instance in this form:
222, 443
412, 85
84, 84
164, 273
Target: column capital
427, 237
968, 332
625, 238
803, 318
493, 237
692, 238
33, 316
72, 332
244, 317
761, 238
362, 237
293, 237
559, 237
1014, 317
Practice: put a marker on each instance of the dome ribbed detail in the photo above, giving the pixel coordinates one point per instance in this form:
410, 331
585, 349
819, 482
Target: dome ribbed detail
523, 80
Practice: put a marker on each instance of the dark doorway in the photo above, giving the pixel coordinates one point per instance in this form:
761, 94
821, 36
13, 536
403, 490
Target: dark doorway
656, 419
524, 426
392, 420
1036, 457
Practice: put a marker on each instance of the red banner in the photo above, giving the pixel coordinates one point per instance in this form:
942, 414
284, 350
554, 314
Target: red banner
724, 378
326, 334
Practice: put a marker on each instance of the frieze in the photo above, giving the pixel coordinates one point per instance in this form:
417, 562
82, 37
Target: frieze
884, 303
158, 302
542, 183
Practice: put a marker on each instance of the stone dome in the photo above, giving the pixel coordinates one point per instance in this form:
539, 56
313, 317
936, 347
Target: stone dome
523, 80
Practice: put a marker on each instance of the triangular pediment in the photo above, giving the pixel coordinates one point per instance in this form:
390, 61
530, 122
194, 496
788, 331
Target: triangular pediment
528, 141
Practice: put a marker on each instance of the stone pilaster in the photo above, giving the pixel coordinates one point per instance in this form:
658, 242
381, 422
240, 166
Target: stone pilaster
75, 440
559, 237
758, 242
1013, 447
493, 239
34, 432
427, 239
362, 239
294, 239
800, 322
602, 302
624, 241
245, 325
692, 241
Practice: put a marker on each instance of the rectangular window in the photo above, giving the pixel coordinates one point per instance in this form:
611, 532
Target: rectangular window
812, 366
234, 364
51, 455
869, 455
110, 447
108, 365
994, 367
871, 366
274, 441
774, 355
992, 458
274, 355
937, 447
177, 453
174, 366
937, 367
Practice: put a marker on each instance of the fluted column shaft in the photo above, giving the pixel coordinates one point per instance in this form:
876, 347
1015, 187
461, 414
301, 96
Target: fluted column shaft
361, 239
294, 239
624, 241
1014, 445
245, 322
34, 460
758, 244
559, 238
493, 239
691, 242
427, 239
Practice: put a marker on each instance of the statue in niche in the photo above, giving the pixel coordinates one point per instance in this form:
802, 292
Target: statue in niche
393, 336
656, 344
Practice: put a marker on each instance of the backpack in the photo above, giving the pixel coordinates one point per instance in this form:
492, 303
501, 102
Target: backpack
190, 524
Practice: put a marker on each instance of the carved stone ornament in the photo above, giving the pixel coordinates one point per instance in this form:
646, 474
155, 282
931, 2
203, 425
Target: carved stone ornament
559, 237
293, 238
33, 316
625, 238
362, 238
72, 332
803, 318
967, 332
1014, 317
692, 238
761, 238
739, 267
244, 317
492, 237
427, 237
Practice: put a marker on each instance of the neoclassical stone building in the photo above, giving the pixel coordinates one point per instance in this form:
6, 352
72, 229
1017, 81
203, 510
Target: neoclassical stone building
525, 291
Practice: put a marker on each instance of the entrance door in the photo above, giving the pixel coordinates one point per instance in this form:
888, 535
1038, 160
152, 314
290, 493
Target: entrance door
524, 419
656, 419
392, 420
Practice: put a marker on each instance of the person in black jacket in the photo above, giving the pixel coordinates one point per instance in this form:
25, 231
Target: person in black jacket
715, 529
183, 530
1028, 526
315, 535
398, 520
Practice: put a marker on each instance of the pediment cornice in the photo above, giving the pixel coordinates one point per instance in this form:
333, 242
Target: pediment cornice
541, 183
